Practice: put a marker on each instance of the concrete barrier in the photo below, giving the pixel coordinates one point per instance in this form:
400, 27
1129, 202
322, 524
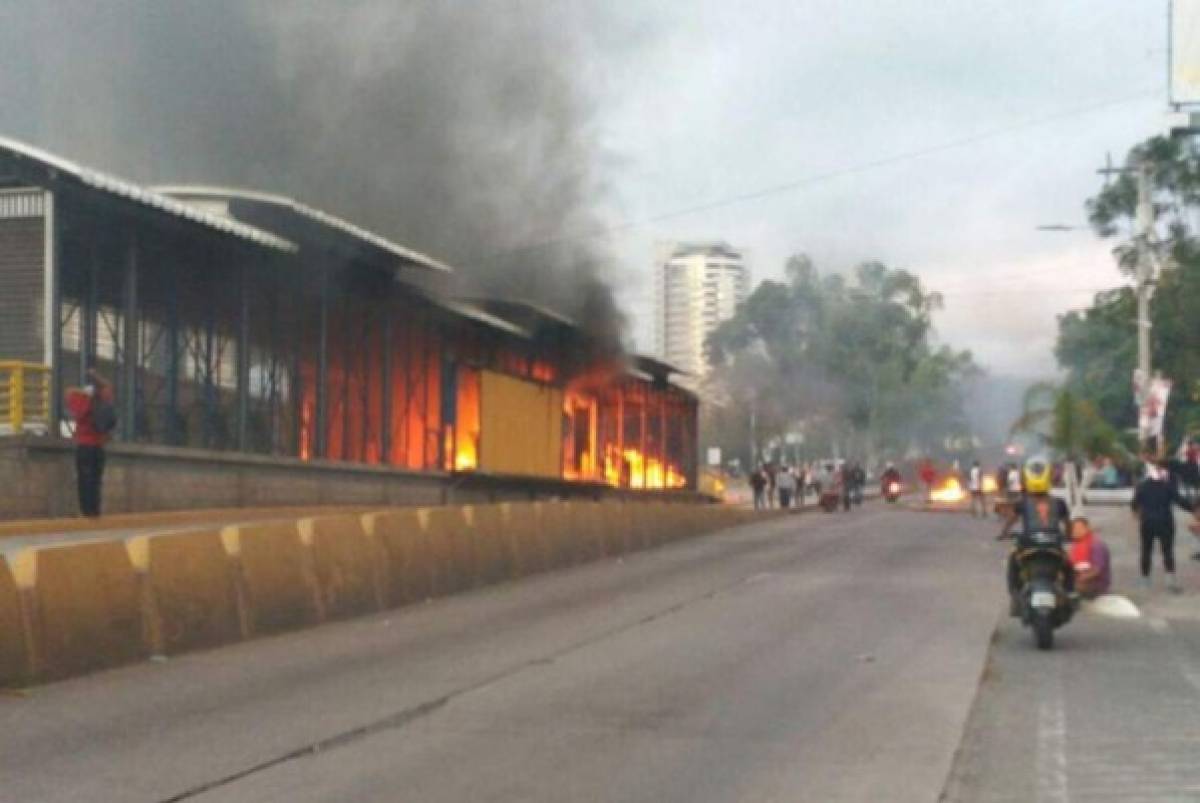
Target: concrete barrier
87, 609
641, 525
614, 527
587, 530
493, 562
452, 546
15, 669
280, 590
69, 609
549, 534
525, 538
655, 524
407, 553
193, 584
344, 564
556, 534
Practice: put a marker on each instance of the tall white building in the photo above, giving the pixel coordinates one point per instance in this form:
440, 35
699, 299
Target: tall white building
697, 286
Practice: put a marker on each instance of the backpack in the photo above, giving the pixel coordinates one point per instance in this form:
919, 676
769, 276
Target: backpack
104, 417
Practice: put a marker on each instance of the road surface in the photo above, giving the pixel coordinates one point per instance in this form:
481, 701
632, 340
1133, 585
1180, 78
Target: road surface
816, 657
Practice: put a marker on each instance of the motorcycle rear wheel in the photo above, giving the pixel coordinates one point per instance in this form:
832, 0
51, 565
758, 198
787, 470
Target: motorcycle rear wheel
1043, 632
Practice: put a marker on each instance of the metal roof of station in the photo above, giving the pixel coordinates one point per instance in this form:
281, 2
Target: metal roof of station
56, 166
524, 313
191, 192
473, 312
655, 366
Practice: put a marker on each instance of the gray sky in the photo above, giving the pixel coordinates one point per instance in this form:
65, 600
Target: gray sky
469, 129
720, 99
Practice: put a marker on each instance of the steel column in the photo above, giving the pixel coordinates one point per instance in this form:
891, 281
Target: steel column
52, 300
385, 401
243, 355
173, 434
127, 400
87, 314
320, 436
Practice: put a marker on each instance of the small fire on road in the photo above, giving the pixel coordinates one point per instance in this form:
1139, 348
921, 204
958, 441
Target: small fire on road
950, 490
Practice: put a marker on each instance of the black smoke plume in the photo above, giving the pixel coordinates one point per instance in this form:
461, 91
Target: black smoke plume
461, 129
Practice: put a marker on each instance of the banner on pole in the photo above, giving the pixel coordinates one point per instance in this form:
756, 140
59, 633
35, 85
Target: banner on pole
1153, 409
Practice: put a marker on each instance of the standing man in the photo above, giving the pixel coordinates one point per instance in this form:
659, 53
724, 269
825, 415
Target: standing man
975, 486
91, 407
758, 484
1153, 503
786, 483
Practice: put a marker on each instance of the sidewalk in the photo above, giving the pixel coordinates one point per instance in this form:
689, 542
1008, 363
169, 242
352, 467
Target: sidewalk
1111, 714
1118, 528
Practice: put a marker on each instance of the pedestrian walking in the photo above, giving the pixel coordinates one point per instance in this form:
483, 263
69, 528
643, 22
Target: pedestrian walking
785, 481
1013, 485
91, 408
758, 484
1153, 503
771, 480
975, 486
928, 475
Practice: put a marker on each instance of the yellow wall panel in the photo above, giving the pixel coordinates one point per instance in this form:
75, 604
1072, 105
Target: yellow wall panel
520, 427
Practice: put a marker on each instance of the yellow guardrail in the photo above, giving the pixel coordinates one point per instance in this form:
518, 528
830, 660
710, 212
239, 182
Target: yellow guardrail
24, 397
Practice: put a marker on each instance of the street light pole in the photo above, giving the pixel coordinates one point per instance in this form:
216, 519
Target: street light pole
754, 432
1145, 280
1146, 276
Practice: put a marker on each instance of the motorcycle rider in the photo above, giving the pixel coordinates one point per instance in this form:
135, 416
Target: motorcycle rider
1037, 511
890, 474
860, 482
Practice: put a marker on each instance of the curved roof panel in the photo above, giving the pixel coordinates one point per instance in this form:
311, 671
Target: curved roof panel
187, 192
140, 195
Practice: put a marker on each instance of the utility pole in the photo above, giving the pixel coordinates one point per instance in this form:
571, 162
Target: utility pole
1146, 275
754, 432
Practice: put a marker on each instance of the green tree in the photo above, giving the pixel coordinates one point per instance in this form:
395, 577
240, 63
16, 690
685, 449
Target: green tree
842, 361
1067, 423
1097, 346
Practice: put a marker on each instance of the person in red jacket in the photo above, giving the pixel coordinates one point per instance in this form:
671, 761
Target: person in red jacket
1090, 558
91, 407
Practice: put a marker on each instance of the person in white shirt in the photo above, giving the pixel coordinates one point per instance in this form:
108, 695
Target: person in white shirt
975, 486
785, 483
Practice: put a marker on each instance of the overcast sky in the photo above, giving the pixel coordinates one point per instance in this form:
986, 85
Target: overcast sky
708, 100
932, 135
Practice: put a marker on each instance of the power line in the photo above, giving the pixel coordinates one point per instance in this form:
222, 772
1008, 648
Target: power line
816, 178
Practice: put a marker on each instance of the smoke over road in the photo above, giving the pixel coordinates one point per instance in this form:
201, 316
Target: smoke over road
460, 129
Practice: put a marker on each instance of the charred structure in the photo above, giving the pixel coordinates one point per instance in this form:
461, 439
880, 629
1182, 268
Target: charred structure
246, 322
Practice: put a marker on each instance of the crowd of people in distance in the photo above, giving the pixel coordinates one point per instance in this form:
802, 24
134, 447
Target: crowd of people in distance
786, 486
1159, 486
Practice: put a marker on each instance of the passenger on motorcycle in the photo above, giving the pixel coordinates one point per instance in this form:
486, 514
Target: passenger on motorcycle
1038, 512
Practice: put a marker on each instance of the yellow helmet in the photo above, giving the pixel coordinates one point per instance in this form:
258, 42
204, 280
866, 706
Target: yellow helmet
1036, 474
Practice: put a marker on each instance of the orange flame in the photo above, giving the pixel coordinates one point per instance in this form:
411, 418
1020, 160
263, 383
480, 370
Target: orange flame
949, 491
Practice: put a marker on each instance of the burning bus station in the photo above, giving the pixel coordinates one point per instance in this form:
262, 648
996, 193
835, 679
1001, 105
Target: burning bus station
250, 335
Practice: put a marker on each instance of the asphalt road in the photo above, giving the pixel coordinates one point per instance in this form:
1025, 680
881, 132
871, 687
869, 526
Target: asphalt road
816, 657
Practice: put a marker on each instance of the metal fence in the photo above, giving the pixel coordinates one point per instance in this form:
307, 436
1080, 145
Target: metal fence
24, 398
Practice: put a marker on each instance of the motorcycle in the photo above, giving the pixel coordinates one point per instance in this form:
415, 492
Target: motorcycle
830, 499
891, 492
1043, 602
